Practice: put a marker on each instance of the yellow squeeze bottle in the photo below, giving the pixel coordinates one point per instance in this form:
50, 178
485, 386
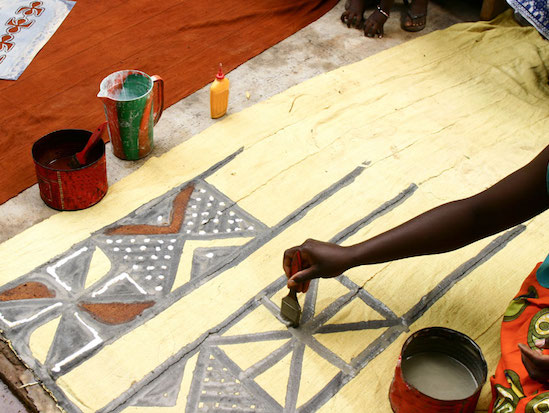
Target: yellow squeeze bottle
219, 95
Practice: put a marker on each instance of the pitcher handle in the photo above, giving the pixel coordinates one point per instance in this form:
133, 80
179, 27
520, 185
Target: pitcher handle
159, 102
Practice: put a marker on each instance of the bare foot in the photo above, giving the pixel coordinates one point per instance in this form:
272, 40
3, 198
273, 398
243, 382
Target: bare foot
354, 12
416, 15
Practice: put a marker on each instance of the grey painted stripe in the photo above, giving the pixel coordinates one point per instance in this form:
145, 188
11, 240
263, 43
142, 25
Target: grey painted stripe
322, 351
269, 361
459, 273
378, 346
256, 390
198, 378
310, 302
368, 298
210, 171
333, 386
360, 325
329, 312
382, 210
250, 338
359, 363
294, 380
212, 390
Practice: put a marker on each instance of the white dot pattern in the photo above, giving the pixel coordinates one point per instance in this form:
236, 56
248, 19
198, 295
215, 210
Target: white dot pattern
152, 260
210, 215
152, 272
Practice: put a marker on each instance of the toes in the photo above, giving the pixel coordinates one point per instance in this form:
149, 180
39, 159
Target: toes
410, 22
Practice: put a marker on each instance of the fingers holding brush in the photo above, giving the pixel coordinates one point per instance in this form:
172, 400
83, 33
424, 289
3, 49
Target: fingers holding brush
299, 281
287, 260
316, 259
294, 265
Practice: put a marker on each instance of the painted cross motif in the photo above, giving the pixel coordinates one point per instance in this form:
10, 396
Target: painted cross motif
16, 24
216, 370
6, 42
27, 26
33, 9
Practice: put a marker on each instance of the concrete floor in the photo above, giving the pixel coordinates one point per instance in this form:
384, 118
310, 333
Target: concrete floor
322, 46
8, 402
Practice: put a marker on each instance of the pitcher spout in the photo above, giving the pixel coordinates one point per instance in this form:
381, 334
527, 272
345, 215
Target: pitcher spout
110, 87
104, 97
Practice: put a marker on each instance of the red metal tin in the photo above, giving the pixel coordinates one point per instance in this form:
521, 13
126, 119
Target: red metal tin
405, 398
69, 189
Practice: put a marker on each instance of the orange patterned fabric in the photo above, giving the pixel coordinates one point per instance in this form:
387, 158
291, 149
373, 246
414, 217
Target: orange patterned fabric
526, 320
183, 41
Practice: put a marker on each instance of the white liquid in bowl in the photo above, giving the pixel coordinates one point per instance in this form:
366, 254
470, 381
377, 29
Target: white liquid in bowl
439, 376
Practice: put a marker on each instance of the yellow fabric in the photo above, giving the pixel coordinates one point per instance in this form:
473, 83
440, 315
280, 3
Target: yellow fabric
99, 266
41, 339
451, 112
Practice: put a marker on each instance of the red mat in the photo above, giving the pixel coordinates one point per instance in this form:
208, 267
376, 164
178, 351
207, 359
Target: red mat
181, 40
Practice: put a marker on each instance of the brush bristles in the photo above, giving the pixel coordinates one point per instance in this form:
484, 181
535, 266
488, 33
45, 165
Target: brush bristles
290, 311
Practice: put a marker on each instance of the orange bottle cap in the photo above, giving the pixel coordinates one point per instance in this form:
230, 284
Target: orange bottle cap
220, 74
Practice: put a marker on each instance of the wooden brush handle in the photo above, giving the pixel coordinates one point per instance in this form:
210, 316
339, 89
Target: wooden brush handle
296, 263
83, 154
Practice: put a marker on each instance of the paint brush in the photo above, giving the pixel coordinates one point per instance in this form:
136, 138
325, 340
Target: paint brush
290, 309
79, 159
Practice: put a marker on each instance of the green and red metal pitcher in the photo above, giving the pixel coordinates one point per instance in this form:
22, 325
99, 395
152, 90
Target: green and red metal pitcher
133, 103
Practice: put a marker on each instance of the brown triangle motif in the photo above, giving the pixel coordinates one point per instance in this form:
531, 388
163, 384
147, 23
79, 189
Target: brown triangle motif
178, 215
26, 291
116, 313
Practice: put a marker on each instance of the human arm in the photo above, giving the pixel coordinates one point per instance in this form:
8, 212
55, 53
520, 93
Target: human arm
515, 199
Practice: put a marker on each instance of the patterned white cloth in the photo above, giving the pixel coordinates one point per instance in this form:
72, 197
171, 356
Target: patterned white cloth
536, 12
25, 27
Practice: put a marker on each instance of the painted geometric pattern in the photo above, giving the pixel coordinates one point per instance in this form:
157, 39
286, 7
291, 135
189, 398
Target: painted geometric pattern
196, 327
238, 367
108, 284
132, 270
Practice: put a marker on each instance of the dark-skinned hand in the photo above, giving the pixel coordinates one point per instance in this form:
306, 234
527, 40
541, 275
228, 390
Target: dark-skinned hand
354, 13
373, 26
318, 260
536, 363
